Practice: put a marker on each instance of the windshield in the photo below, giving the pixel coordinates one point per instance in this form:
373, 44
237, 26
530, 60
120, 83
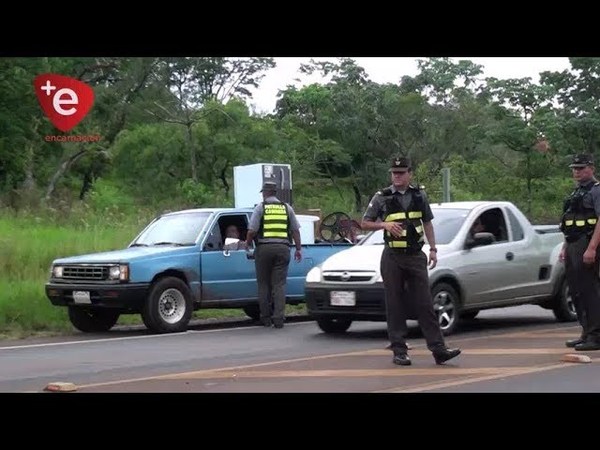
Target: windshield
446, 223
175, 229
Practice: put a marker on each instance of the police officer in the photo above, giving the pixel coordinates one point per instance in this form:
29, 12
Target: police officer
405, 217
271, 225
579, 224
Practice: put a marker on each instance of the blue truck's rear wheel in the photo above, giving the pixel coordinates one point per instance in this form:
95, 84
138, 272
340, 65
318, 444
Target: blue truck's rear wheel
169, 307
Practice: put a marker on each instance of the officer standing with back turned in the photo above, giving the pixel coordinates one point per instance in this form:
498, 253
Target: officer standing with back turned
579, 224
272, 225
406, 218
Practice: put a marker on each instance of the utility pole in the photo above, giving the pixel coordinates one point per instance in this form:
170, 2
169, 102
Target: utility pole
446, 184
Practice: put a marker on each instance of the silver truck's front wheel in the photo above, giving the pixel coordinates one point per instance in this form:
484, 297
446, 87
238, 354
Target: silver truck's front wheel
446, 306
168, 308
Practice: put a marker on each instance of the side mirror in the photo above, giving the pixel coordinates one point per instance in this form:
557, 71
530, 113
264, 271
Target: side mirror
479, 239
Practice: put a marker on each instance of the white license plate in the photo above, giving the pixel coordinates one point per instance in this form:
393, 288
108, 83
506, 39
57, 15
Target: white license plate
81, 297
342, 298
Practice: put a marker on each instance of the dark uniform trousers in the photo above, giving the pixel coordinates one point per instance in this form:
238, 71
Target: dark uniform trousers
584, 286
398, 267
271, 262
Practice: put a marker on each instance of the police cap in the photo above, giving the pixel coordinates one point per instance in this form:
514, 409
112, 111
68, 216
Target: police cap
400, 164
269, 186
582, 160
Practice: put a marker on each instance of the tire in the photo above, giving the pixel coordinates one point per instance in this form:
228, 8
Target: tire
169, 306
252, 311
564, 308
469, 315
446, 304
92, 320
334, 325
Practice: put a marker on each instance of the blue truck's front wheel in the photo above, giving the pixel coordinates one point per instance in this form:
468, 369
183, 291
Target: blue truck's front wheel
92, 320
169, 307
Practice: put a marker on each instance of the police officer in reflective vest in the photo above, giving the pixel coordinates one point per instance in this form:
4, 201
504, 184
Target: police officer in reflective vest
579, 224
271, 226
405, 216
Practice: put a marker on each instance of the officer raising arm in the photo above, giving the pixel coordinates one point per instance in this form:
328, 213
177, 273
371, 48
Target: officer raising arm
579, 224
406, 217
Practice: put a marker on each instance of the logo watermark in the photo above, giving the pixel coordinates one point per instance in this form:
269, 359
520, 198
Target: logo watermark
65, 101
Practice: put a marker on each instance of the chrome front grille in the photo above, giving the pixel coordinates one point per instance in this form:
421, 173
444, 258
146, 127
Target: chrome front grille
87, 272
349, 276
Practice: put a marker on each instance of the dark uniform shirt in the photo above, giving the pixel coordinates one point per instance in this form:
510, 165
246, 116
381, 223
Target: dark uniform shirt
375, 209
592, 200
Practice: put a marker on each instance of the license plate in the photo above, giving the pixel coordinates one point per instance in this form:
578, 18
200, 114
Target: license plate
81, 297
342, 298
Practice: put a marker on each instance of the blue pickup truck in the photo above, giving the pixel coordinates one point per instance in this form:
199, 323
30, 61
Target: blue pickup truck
176, 265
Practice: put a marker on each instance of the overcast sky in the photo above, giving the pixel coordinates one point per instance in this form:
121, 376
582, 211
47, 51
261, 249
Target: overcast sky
391, 70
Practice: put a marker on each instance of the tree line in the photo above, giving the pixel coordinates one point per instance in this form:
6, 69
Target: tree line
172, 129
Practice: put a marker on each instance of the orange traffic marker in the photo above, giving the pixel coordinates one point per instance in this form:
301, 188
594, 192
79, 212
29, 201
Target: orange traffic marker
572, 357
60, 386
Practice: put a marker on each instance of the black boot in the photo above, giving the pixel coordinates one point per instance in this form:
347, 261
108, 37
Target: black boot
445, 354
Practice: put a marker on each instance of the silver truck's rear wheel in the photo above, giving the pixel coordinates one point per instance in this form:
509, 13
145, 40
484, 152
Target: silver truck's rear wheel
334, 325
169, 306
92, 320
564, 308
446, 306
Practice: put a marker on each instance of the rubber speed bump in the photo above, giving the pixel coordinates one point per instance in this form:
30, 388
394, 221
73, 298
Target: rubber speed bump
571, 357
60, 386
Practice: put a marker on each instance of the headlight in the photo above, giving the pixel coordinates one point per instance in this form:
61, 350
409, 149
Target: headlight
314, 275
57, 271
120, 272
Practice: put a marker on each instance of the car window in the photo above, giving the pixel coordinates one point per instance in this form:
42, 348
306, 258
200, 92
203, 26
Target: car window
515, 226
181, 229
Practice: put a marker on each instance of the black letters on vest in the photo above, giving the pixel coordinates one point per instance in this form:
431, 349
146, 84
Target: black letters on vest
411, 219
274, 223
577, 220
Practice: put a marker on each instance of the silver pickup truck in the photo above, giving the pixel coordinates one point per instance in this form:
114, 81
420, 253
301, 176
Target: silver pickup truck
510, 263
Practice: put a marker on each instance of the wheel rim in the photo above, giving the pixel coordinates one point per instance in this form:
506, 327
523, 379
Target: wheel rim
171, 306
445, 308
569, 301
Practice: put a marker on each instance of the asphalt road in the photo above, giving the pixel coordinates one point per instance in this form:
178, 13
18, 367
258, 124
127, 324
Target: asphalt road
507, 350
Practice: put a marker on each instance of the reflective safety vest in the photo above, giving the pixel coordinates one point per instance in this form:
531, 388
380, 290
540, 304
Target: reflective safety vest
578, 220
411, 219
275, 222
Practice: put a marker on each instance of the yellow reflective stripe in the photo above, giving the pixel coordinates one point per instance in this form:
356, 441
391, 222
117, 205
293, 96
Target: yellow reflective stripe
580, 223
275, 217
568, 223
415, 214
396, 216
272, 234
272, 226
398, 244
592, 221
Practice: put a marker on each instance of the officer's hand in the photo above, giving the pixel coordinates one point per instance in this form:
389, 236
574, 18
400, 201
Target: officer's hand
589, 256
432, 259
394, 228
562, 255
298, 255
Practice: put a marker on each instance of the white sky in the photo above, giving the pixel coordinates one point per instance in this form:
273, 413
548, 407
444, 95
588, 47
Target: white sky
391, 70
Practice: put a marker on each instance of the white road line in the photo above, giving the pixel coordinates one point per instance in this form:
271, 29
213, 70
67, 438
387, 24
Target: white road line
126, 338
